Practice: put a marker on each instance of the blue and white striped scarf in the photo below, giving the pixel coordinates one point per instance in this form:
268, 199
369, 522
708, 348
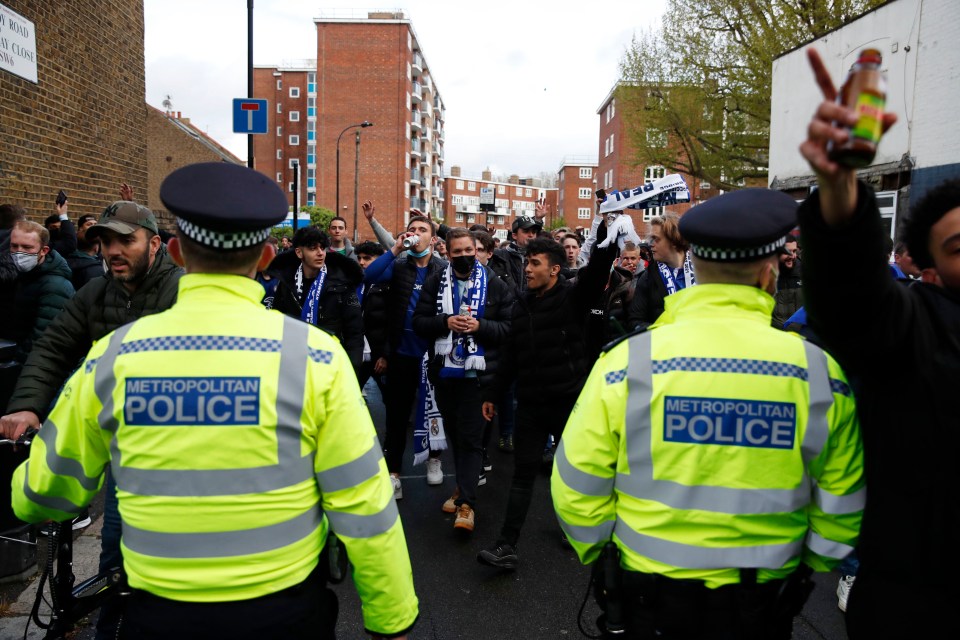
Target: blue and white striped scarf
310, 312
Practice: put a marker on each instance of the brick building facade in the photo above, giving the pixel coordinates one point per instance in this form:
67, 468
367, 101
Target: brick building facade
576, 184
369, 67
172, 142
617, 167
513, 198
80, 127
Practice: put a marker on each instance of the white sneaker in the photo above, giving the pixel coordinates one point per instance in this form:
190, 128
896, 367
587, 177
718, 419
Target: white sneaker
434, 471
397, 487
843, 591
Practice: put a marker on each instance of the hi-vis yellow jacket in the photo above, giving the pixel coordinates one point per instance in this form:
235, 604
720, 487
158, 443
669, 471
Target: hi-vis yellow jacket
713, 443
238, 438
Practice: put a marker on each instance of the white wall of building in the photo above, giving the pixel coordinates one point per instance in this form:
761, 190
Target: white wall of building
920, 44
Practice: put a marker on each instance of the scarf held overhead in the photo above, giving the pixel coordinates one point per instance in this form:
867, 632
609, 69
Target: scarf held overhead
667, 190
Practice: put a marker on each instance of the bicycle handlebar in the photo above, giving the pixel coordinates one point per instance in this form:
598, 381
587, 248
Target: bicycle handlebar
26, 439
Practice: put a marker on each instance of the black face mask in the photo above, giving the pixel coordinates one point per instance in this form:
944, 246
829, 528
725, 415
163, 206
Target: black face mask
463, 264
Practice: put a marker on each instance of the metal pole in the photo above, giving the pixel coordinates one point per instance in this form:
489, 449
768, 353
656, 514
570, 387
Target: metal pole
338, 174
356, 183
296, 193
250, 75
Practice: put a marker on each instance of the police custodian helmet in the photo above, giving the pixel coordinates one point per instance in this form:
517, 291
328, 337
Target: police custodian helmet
222, 205
739, 226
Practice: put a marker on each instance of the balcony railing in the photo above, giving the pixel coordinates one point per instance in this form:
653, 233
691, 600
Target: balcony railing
415, 176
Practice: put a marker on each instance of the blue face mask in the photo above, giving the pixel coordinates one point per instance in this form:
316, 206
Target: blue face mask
413, 254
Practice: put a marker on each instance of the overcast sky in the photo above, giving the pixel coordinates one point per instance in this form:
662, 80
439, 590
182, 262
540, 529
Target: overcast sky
521, 80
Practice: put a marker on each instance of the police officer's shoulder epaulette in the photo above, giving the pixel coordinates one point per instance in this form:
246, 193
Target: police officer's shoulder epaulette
610, 345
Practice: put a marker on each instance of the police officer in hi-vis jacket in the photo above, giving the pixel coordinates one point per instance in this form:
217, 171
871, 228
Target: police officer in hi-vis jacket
712, 461
239, 442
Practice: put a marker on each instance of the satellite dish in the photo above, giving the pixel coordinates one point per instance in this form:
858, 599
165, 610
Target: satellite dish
167, 103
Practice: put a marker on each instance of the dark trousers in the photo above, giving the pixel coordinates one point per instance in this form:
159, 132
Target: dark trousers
305, 611
460, 404
110, 557
663, 609
366, 372
535, 421
403, 384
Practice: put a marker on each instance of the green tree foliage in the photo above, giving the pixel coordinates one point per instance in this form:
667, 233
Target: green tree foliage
319, 216
695, 92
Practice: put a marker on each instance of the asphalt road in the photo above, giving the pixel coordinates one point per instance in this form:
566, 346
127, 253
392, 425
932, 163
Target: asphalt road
462, 599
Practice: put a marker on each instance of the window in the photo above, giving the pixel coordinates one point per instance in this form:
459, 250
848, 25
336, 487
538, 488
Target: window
292, 162
656, 138
584, 193
649, 214
279, 154
456, 199
611, 143
518, 191
279, 107
611, 109
279, 132
279, 84
294, 92
294, 116
459, 217
586, 172
583, 213
471, 186
653, 173
501, 189
606, 147
704, 185
471, 219
290, 187
279, 175
459, 184
528, 193
294, 140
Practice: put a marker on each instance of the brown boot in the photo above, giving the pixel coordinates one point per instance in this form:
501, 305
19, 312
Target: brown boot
465, 517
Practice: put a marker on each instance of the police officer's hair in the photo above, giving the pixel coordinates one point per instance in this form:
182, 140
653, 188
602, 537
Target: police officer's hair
10, 213
433, 225
573, 236
714, 272
206, 259
939, 201
310, 236
547, 247
29, 226
369, 248
669, 224
485, 239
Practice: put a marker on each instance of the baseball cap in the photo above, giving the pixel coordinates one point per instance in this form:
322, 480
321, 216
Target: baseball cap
124, 217
525, 222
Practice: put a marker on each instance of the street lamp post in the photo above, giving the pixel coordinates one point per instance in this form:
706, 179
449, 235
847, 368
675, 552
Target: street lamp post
356, 187
363, 125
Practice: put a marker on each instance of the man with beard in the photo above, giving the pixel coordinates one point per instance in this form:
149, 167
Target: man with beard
141, 280
85, 262
319, 286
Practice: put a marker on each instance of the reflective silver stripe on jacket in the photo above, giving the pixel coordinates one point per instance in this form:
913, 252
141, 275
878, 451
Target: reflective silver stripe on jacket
223, 544
593, 534
60, 465
48, 502
580, 481
352, 525
104, 380
829, 548
352, 473
291, 467
640, 482
690, 556
840, 505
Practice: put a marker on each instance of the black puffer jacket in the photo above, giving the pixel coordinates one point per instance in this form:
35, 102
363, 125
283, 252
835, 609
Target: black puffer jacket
85, 268
648, 297
507, 263
493, 330
789, 295
546, 350
96, 310
617, 300
374, 306
340, 313
401, 288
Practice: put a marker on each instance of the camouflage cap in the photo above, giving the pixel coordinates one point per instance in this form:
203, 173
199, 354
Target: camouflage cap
124, 217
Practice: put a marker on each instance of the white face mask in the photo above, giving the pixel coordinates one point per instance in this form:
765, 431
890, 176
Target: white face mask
25, 261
